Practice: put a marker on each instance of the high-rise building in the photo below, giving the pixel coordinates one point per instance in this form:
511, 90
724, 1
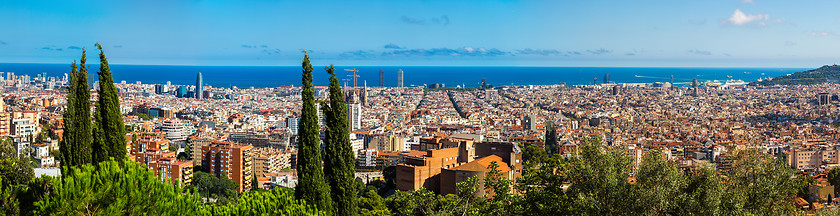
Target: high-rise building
823, 98
529, 122
483, 82
400, 78
606, 78
293, 124
381, 78
158, 89
354, 115
229, 160
199, 86
615, 90
182, 92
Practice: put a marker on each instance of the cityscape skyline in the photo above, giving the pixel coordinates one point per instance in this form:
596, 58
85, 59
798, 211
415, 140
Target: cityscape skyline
733, 33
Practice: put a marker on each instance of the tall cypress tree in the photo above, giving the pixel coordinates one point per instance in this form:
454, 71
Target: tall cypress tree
338, 164
550, 138
76, 145
110, 129
311, 186
66, 147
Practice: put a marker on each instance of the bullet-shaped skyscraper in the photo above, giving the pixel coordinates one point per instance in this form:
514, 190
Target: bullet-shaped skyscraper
400, 78
199, 86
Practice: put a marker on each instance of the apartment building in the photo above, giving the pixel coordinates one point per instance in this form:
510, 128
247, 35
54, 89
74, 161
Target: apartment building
178, 171
233, 161
812, 158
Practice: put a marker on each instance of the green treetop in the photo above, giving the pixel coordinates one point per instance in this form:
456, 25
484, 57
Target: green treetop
311, 186
338, 165
109, 119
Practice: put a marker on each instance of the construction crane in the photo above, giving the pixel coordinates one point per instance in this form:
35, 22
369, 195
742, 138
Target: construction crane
354, 76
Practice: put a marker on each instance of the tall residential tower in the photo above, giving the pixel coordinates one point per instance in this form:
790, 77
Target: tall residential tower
381, 78
400, 78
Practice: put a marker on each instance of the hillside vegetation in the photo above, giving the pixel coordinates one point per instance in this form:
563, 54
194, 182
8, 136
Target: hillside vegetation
827, 73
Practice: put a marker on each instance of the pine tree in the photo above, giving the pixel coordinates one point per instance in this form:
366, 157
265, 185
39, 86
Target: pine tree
110, 129
311, 186
76, 145
338, 164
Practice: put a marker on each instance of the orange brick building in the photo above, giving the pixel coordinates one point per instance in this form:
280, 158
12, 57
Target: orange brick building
423, 170
174, 169
233, 161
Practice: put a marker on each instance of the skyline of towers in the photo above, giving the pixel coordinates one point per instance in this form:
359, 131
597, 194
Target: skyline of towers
400, 78
199, 86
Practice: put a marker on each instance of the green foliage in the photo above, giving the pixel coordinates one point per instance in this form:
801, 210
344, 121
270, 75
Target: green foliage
500, 187
834, 179
109, 122
143, 116
542, 182
14, 168
826, 73
9, 202
703, 193
371, 204
659, 185
311, 186
114, 189
273, 202
209, 185
339, 163
760, 184
186, 154
76, 144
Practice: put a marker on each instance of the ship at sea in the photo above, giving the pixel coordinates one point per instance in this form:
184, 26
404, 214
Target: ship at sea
712, 83
734, 83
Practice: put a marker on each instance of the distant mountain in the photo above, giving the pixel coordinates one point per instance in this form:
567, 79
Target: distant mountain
828, 73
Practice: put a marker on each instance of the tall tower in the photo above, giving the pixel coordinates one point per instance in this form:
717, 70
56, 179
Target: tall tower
354, 115
606, 78
199, 86
400, 78
381, 78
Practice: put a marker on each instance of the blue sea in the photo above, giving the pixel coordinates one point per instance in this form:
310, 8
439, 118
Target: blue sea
272, 76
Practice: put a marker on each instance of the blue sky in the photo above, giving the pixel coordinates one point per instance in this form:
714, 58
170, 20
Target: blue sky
641, 33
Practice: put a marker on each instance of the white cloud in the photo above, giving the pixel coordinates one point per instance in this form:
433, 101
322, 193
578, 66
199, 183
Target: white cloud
820, 34
748, 1
739, 18
779, 20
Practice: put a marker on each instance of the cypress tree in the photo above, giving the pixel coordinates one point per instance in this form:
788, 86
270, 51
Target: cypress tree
550, 138
110, 129
338, 164
311, 186
75, 148
66, 146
